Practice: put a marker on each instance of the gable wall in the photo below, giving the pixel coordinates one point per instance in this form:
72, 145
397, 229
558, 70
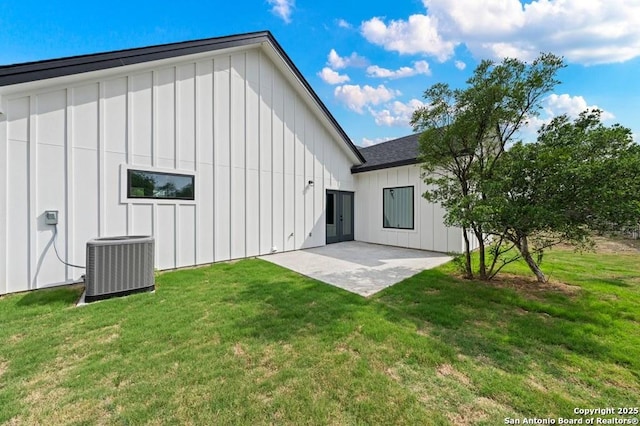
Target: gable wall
252, 141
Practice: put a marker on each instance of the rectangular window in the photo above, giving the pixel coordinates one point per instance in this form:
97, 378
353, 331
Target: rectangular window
397, 207
145, 184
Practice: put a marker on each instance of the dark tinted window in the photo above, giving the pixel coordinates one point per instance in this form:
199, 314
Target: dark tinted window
331, 210
145, 184
397, 207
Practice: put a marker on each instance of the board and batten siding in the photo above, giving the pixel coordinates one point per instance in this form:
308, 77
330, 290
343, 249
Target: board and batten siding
429, 231
245, 130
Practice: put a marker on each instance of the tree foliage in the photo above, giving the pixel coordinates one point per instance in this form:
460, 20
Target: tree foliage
580, 177
466, 131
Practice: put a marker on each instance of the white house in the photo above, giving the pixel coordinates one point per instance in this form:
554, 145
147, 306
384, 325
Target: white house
389, 206
219, 148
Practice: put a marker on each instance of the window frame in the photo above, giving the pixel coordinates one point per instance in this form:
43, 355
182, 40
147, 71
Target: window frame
130, 196
413, 207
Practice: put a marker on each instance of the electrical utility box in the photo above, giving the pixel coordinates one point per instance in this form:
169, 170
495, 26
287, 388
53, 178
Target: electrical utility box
51, 217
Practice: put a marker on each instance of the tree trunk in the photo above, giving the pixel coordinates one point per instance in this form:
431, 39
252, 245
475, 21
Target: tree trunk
482, 268
526, 255
468, 272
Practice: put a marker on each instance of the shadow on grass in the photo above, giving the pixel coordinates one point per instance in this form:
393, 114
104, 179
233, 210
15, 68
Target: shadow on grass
480, 321
615, 282
262, 301
499, 324
59, 296
288, 304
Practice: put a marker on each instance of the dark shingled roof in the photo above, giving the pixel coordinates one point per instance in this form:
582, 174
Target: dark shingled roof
52, 68
393, 153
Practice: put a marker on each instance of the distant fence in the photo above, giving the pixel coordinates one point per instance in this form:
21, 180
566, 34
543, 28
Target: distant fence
633, 233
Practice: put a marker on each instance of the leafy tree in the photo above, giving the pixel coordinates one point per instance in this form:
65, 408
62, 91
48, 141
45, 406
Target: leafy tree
579, 177
141, 184
186, 191
466, 131
167, 190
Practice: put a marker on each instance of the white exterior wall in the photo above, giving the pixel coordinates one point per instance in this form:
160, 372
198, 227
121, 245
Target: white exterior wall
244, 127
429, 231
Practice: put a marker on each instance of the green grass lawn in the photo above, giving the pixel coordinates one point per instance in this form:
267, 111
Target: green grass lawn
252, 343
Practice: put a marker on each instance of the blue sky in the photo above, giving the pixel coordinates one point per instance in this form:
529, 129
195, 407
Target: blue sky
369, 61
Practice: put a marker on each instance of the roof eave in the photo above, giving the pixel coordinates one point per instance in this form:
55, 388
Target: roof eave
52, 68
365, 168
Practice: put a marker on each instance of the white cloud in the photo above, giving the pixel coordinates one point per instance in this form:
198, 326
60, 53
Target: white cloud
422, 67
418, 34
588, 32
356, 97
332, 77
282, 8
554, 105
583, 31
489, 18
368, 142
419, 67
570, 105
339, 62
460, 65
396, 113
343, 24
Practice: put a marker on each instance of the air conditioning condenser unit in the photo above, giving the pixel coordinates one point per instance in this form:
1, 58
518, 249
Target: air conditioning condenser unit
117, 266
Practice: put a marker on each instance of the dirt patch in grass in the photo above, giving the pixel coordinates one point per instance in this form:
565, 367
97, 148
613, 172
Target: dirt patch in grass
4, 366
238, 350
447, 370
109, 334
424, 331
46, 399
617, 245
267, 365
467, 414
393, 374
345, 348
476, 412
78, 412
528, 285
16, 338
535, 384
531, 287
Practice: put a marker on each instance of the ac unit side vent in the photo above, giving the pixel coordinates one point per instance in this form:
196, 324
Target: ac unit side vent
117, 266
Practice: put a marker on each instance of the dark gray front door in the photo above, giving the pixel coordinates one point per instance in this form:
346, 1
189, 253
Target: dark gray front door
339, 216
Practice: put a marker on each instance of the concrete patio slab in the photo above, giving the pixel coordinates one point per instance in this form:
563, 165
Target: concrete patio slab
358, 267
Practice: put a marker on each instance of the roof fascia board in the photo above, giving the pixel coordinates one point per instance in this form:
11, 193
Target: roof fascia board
112, 73
51, 68
408, 162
